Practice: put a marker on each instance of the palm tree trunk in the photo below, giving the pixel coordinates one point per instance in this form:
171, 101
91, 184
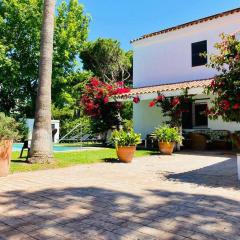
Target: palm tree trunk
41, 148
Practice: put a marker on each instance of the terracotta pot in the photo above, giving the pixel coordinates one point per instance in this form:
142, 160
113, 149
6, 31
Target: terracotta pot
166, 148
125, 153
5, 156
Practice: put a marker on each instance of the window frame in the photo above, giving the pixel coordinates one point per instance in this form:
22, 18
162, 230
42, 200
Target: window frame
193, 114
199, 62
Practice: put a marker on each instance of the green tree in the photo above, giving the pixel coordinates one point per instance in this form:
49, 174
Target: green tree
20, 25
106, 59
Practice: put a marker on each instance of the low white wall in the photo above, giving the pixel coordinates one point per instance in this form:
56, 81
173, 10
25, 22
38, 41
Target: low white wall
220, 124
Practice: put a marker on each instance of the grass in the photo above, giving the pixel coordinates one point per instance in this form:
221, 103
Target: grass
68, 159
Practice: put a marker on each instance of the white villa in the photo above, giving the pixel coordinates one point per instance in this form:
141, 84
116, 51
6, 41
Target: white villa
168, 61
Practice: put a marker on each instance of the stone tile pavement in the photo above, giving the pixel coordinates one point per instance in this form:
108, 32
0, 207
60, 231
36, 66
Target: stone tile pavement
184, 196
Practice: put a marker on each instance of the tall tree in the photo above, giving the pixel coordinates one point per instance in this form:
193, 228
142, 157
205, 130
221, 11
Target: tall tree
41, 149
20, 27
106, 59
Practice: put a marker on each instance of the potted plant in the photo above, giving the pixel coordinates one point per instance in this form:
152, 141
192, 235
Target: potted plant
125, 143
167, 138
8, 133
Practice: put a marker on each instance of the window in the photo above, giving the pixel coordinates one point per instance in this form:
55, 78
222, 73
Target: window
201, 119
195, 116
199, 48
187, 117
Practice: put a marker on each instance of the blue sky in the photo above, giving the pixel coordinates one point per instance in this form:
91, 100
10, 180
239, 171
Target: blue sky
127, 19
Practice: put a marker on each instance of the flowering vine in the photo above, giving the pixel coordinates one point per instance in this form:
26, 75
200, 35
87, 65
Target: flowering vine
226, 85
172, 107
96, 101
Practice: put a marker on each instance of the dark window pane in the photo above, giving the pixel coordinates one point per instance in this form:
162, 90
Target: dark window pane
201, 118
187, 117
197, 49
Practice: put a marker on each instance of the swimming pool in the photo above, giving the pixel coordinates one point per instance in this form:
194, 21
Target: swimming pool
17, 147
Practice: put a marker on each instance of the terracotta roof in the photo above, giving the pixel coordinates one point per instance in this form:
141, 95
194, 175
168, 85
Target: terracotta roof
236, 10
165, 88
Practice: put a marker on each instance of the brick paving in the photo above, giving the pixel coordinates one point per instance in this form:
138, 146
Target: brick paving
184, 196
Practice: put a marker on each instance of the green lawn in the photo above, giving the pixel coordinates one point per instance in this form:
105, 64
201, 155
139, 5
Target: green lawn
70, 158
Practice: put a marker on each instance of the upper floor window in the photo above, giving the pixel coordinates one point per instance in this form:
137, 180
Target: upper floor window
199, 48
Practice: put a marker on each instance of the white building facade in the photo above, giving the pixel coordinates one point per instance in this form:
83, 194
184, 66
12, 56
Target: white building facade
168, 61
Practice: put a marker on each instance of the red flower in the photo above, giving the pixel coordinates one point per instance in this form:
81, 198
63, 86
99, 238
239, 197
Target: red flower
120, 84
175, 101
152, 104
160, 98
105, 100
95, 82
136, 99
122, 90
236, 106
213, 83
225, 104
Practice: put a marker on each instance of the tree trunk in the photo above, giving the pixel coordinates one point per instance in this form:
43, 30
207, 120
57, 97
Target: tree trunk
41, 147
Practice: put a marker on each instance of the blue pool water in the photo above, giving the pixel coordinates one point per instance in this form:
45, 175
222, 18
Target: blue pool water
17, 147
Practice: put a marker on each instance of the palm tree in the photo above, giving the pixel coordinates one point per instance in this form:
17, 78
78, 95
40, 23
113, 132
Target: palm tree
41, 148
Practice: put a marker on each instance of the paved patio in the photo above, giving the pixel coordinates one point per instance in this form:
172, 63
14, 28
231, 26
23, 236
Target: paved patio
184, 196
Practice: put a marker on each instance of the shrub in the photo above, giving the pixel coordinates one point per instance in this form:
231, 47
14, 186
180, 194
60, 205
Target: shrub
127, 124
226, 85
8, 128
168, 134
125, 138
97, 105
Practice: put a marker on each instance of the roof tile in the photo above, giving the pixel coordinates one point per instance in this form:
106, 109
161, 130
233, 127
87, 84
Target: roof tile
166, 88
236, 10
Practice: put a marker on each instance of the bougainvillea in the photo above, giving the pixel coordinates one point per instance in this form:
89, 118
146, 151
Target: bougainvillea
226, 85
136, 99
97, 105
172, 107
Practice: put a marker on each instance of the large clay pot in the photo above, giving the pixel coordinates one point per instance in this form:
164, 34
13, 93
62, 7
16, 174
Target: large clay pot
166, 148
5, 156
125, 153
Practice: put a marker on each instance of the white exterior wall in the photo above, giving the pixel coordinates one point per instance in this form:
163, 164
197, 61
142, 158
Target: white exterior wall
146, 119
166, 58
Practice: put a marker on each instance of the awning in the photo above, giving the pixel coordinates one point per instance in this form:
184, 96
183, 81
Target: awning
165, 88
